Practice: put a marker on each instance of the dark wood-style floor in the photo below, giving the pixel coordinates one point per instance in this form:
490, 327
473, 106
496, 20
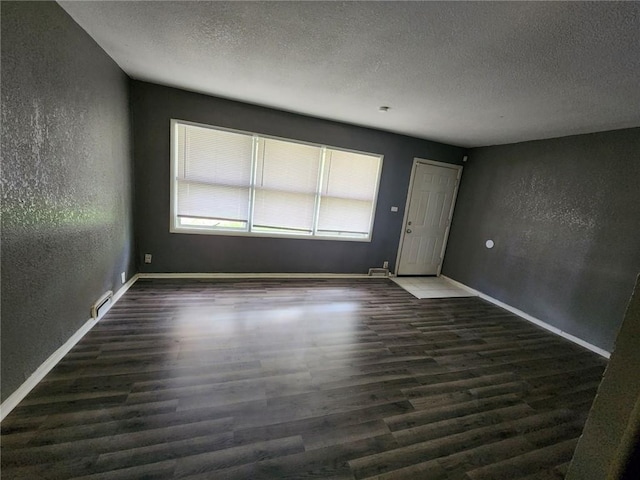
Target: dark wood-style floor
298, 379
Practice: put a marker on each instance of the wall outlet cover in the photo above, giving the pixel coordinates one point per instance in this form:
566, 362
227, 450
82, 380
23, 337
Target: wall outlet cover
123, 277
147, 258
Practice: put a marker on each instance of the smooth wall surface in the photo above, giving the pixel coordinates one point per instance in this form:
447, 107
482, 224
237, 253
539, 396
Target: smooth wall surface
565, 218
154, 106
66, 182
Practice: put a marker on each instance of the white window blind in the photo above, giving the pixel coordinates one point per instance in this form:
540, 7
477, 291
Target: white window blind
241, 183
286, 185
214, 175
348, 193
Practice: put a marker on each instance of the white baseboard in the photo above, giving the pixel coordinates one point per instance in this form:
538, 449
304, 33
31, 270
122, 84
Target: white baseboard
531, 319
255, 275
16, 397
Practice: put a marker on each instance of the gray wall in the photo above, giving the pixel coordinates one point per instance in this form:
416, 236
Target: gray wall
612, 431
565, 217
66, 182
154, 106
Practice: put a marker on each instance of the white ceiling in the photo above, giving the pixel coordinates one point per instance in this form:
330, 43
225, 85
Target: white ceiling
464, 73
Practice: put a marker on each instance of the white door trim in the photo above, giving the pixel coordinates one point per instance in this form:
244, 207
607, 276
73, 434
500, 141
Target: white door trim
417, 161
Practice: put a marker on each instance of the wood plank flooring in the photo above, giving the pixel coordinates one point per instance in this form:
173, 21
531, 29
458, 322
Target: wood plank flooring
301, 379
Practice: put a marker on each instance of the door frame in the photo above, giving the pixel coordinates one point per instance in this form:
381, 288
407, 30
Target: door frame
414, 168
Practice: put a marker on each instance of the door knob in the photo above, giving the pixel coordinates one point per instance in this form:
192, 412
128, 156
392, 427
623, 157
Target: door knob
408, 230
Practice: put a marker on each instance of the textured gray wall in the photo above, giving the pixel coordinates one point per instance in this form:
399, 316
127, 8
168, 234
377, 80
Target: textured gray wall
154, 106
66, 182
613, 425
565, 217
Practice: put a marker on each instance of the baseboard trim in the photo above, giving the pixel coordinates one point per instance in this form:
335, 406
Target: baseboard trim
255, 275
36, 377
531, 319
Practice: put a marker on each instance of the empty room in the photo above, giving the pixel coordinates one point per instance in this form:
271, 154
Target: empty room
332, 240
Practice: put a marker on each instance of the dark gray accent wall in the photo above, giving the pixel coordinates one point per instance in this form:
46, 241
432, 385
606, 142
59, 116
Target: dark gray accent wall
565, 218
154, 106
66, 182
611, 435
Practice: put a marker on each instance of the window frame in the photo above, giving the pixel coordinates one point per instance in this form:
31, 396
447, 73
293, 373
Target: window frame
174, 227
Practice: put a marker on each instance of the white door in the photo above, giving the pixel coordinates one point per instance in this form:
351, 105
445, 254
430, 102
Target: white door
431, 199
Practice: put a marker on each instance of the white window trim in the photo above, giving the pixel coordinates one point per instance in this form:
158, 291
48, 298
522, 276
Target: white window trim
174, 228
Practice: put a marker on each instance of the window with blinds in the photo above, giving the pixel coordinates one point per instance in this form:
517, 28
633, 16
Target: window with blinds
238, 183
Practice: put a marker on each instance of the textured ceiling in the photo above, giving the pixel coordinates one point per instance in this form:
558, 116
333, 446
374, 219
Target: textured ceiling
464, 73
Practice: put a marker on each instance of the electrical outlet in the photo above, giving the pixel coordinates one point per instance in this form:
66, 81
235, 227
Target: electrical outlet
147, 258
385, 264
123, 277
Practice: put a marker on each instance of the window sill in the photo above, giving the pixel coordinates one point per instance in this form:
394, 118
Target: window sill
231, 233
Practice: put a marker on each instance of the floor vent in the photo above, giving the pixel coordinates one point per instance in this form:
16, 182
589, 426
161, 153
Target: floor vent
378, 272
99, 308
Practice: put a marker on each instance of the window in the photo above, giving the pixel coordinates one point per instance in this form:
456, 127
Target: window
238, 183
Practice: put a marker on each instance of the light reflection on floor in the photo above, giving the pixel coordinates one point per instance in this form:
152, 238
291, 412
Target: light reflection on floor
220, 319
214, 332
